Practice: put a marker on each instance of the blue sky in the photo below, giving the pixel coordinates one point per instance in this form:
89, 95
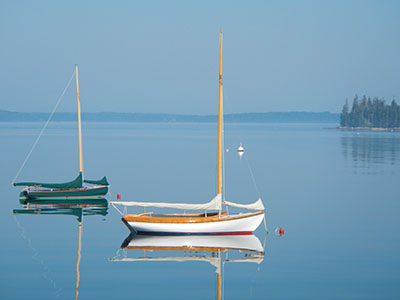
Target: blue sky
162, 56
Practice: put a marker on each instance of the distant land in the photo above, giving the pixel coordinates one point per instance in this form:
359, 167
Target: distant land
370, 114
265, 117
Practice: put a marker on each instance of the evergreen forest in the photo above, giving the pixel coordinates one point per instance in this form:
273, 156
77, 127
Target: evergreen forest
370, 113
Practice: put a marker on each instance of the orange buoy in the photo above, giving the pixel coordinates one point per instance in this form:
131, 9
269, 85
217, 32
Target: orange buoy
282, 231
118, 196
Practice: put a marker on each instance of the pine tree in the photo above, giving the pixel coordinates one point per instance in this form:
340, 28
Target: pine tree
355, 115
344, 117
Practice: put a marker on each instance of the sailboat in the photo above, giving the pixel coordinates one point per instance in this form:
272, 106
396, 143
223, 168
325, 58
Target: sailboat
72, 190
215, 222
208, 249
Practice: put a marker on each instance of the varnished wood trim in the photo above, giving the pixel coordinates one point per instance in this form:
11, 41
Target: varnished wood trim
186, 248
188, 219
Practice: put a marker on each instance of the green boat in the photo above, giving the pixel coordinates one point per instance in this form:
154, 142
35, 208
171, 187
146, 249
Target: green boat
72, 190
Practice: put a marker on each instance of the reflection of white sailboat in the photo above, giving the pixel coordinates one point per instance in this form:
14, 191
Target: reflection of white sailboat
196, 248
204, 223
195, 243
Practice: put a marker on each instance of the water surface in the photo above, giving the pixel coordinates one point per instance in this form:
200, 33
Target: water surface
335, 194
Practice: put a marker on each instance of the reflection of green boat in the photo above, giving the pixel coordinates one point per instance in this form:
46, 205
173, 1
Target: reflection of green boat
73, 190
75, 208
67, 202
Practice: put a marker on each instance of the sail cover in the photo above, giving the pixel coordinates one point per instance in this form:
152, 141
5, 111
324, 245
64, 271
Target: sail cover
214, 204
258, 205
102, 181
74, 184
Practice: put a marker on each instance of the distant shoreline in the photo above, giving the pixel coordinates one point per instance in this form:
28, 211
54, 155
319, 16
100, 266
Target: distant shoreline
378, 129
265, 117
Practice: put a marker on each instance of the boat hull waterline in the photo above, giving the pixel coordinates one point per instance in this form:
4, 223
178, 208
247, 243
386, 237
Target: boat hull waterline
239, 224
76, 194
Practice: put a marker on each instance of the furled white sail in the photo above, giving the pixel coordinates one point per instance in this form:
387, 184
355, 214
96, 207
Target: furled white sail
258, 205
214, 204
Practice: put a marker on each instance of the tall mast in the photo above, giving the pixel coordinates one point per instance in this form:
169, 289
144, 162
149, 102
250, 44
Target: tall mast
79, 120
220, 119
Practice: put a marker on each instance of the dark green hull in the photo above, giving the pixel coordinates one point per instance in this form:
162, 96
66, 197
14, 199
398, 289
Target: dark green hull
72, 194
91, 202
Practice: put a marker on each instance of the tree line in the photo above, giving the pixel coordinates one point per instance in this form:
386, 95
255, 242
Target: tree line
369, 112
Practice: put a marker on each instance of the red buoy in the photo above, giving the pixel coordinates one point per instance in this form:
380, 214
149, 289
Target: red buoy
279, 231
118, 196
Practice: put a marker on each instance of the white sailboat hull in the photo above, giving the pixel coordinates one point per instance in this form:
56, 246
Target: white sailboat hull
238, 224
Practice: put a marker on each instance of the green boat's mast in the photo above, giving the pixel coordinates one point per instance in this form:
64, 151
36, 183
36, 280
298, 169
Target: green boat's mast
79, 122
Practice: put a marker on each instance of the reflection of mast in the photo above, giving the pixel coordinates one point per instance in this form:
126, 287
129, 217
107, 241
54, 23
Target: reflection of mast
78, 260
219, 277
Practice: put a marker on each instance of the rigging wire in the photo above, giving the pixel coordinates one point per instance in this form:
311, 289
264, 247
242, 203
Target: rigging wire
252, 177
44, 127
248, 163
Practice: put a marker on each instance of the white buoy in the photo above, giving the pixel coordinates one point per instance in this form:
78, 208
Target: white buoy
240, 150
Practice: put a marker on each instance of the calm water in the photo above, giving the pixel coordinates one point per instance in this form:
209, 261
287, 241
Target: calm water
336, 194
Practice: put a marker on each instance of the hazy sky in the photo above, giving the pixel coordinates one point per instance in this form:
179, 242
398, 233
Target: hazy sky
162, 56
